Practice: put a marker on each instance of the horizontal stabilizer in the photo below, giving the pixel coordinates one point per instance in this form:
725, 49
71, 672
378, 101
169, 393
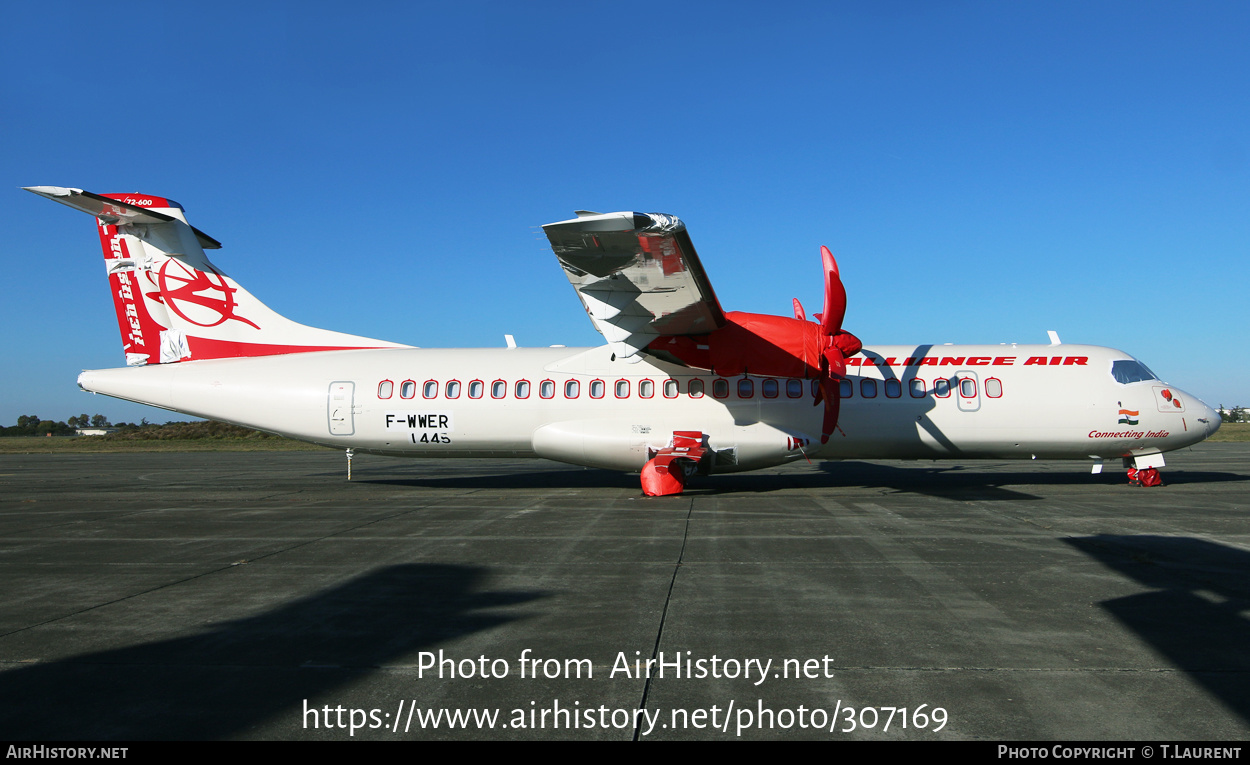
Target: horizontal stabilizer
114, 211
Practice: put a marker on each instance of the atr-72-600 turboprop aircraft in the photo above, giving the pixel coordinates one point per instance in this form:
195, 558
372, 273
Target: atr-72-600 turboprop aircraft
682, 387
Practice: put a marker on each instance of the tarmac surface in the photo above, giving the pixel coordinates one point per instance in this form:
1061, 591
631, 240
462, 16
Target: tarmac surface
262, 596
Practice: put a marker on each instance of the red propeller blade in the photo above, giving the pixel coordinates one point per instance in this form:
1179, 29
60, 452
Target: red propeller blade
834, 362
833, 404
840, 344
835, 295
798, 311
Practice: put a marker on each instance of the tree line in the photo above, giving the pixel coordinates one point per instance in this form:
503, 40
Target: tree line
32, 425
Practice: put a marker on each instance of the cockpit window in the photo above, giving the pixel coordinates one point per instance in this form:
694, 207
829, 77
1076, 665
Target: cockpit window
1128, 371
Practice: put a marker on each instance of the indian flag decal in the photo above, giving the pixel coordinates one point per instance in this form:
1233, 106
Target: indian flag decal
1128, 416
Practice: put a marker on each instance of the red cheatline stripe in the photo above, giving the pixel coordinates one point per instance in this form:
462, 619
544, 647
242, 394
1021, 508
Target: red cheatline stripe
204, 348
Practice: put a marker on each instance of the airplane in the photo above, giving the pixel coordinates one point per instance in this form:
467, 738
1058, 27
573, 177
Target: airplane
681, 387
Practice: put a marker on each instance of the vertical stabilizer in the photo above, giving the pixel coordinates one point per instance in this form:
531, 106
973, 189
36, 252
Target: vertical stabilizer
172, 303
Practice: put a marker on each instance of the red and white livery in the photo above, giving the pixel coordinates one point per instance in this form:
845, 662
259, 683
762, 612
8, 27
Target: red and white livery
682, 387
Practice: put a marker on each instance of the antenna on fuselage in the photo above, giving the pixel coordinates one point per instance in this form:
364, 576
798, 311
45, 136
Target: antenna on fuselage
1054, 337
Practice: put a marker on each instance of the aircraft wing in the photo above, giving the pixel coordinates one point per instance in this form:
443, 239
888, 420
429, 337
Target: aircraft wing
638, 276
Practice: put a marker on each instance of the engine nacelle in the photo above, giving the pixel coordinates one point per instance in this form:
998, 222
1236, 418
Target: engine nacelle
619, 444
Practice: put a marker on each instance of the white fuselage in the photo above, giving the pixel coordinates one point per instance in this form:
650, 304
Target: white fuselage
582, 406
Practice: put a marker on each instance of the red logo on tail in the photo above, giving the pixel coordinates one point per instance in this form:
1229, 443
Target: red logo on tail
214, 297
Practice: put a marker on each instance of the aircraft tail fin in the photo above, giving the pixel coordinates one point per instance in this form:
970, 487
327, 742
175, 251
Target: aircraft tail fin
172, 303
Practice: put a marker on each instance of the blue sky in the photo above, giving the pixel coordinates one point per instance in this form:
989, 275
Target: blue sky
983, 171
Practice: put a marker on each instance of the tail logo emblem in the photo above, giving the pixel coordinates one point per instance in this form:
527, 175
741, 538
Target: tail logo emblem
213, 297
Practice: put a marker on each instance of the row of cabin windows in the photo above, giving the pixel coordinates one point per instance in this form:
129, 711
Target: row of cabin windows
769, 387
917, 388
596, 388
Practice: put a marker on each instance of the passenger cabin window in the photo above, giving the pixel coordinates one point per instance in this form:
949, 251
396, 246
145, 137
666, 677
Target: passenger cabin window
430, 389
547, 389
671, 388
498, 389
794, 388
845, 389
770, 388
622, 389
967, 387
385, 389
893, 388
746, 388
596, 388
915, 386
475, 389
815, 388
522, 389
572, 389
993, 387
942, 388
868, 388
720, 388
646, 388
1127, 371
408, 389
453, 389
696, 388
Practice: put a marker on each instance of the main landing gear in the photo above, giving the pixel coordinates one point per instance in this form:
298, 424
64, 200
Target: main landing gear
666, 473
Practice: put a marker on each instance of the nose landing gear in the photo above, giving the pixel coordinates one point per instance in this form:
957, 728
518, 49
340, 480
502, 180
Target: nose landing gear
1144, 477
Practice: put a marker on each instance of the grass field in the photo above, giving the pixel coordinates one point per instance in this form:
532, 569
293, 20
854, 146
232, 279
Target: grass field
98, 445
1232, 431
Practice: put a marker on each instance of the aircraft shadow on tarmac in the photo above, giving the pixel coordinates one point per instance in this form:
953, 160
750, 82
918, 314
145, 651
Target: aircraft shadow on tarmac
990, 480
952, 481
1195, 611
228, 679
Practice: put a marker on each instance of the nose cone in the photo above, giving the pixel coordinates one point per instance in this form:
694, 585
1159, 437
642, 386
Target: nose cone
1212, 418
1209, 419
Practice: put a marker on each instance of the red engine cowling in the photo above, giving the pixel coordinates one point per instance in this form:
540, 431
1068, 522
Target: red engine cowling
759, 344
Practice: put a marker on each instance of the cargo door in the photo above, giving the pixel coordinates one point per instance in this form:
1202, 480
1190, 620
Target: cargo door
339, 408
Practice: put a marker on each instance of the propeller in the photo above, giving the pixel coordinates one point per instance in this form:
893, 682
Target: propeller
837, 344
